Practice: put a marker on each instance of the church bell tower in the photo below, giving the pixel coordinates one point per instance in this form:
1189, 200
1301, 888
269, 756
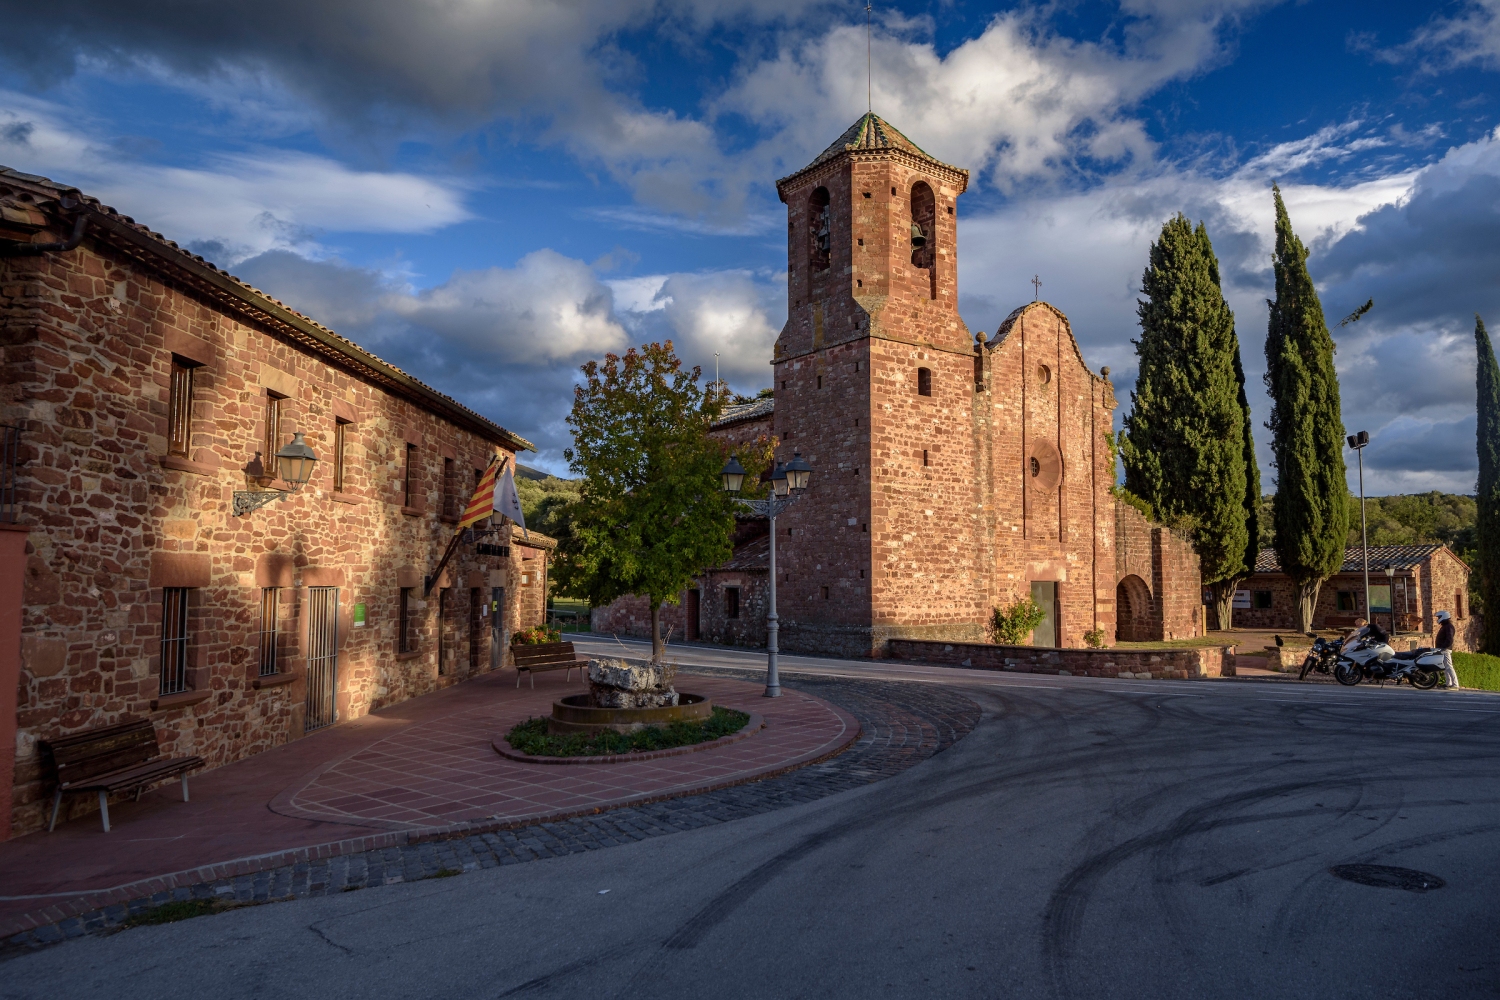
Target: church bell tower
872, 345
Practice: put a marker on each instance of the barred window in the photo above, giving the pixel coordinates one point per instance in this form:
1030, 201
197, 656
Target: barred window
410, 472
405, 641
180, 408
270, 598
272, 443
340, 438
450, 488
174, 639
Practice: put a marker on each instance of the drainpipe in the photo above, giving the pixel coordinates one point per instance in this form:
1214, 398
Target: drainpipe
15, 248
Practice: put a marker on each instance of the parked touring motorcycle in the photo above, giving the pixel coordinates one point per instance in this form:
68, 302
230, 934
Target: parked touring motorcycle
1367, 655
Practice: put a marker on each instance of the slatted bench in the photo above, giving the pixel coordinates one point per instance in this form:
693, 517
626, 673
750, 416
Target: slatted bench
535, 659
118, 758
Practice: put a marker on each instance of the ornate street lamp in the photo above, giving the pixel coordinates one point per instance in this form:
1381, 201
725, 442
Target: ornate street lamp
1358, 442
294, 463
1390, 589
787, 484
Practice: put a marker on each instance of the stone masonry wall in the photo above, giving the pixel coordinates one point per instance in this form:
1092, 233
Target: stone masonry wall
1165, 664
88, 340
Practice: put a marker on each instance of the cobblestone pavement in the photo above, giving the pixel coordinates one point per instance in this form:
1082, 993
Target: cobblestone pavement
901, 725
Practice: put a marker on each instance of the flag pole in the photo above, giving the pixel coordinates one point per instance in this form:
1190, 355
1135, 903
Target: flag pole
431, 581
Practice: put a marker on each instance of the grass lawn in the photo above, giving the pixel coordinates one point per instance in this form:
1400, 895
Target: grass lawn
1478, 670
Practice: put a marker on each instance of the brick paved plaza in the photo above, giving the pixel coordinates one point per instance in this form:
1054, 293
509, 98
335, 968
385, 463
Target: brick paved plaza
423, 770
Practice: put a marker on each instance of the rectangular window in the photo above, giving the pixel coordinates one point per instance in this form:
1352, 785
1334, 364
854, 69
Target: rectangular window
174, 639
924, 381
731, 602
1261, 599
1346, 601
825, 593
476, 626
269, 600
340, 441
450, 488
820, 381
1458, 604
405, 641
180, 408
271, 444
408, 473
925, 460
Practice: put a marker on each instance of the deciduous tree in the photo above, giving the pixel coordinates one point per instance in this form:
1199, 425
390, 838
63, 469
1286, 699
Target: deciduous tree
650, 513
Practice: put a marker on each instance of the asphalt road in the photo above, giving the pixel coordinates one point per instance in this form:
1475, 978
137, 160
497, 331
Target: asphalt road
1089, 839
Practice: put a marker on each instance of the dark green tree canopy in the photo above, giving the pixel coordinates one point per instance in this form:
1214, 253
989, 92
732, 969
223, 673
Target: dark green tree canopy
649, 513
1307, 425
1488, 487
1186, 440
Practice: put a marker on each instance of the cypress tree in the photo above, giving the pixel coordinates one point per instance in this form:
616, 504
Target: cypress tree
1187, 436
1488, 441
1310, 512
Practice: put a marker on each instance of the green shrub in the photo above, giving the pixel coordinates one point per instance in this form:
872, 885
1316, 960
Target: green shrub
1013, 625
1094, 638
1478, 670
531, 737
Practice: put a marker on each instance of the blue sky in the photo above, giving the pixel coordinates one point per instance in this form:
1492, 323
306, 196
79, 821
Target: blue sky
489, 194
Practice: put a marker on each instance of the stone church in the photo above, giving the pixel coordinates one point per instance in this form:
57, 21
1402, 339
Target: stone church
954, 471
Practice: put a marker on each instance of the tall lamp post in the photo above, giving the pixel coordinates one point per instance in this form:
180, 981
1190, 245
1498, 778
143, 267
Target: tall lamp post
1358, 442
788, 483
1390, 589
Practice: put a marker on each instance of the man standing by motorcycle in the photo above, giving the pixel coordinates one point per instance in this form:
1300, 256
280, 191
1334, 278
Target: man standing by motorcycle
1444, 642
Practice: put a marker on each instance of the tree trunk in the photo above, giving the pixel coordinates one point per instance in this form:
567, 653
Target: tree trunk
1307, 603
658, 649
1224, 602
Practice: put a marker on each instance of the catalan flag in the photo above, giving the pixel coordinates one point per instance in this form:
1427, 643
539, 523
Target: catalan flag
483, 503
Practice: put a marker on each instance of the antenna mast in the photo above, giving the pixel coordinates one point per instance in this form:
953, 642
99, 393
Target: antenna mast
869, 65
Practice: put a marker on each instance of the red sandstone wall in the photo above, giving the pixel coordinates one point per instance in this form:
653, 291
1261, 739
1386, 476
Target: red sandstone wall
1165, 664
88, 342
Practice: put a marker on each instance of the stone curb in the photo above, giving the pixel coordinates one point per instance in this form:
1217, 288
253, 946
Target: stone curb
755, 725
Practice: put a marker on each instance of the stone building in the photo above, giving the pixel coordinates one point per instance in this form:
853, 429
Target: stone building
1425, 579
144, 388
954, 472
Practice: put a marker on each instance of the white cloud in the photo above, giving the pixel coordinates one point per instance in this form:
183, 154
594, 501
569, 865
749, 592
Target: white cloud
237, 204
547, 308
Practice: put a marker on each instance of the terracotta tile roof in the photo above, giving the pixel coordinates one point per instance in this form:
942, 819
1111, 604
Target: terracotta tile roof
1381, 556
753, 555
871, 132
24, 197
738, 413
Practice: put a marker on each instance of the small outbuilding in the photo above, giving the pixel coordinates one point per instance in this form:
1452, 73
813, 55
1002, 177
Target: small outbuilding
1423, 580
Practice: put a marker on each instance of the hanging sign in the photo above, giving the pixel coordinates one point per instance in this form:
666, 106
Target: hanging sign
359, 616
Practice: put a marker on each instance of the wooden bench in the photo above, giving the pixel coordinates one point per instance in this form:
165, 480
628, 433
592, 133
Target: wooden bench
535, 659
118, 758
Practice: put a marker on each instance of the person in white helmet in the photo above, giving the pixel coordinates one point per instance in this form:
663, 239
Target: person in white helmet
1445, 643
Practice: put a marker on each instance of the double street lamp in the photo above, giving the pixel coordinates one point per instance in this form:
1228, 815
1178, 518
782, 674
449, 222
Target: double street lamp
788, 482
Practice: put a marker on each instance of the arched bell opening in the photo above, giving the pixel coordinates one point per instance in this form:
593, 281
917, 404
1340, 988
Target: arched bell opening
819, 231
924, 233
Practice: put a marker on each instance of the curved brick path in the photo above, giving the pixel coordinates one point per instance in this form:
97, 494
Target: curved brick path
900, 725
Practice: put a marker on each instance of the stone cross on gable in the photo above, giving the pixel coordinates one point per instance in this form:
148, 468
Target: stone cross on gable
1036, 287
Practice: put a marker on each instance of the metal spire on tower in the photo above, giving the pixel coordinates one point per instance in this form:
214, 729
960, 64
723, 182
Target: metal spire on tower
869, 65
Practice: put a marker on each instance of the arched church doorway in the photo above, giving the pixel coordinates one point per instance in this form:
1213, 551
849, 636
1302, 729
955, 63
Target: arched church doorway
1132, 610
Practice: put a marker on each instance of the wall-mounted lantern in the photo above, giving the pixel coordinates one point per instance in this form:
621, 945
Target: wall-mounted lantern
294, 463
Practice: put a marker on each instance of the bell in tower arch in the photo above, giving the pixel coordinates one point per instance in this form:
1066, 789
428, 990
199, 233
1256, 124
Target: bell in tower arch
918, 239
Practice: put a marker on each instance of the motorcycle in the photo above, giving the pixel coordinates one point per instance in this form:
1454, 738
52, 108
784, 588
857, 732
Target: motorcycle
1366, 655
1322, 657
